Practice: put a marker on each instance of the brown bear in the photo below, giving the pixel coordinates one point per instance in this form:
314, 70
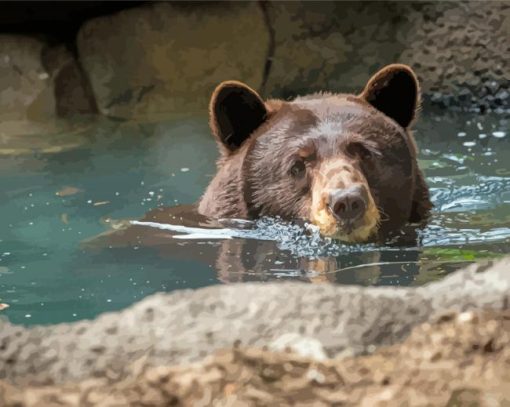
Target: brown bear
343, 162
346, 163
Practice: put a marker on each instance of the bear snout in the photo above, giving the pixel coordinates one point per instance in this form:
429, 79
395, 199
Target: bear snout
348, 205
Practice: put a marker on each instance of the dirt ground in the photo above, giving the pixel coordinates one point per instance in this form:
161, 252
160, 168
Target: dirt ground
455, 360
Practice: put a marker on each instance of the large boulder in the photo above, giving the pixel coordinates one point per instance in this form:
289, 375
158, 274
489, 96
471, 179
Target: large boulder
166, 58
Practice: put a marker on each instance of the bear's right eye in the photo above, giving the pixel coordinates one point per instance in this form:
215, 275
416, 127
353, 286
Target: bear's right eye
298, 169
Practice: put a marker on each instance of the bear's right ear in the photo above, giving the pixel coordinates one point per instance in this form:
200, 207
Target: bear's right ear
394, 91
235, 112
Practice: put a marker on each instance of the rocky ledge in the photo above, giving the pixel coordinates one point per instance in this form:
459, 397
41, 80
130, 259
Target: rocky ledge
458, 359
318, 321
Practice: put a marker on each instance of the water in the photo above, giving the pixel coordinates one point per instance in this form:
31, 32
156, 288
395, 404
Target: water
51, 203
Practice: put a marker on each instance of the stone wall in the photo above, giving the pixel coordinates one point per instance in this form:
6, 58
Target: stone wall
458, 49
162, 59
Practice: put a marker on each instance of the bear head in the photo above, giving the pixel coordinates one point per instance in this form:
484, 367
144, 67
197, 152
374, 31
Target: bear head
346, 163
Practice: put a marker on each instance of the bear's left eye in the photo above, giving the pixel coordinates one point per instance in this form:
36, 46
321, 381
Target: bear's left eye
298, 169
359, 150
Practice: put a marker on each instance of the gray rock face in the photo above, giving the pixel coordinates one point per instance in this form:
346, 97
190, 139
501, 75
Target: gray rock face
458, 49
167, 58
332, 46
188, 325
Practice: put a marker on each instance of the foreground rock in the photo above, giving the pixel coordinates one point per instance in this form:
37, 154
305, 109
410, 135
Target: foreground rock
189, 325
456, 360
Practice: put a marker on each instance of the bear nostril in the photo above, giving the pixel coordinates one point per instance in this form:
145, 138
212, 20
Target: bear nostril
339, 207
357, 208
347, 205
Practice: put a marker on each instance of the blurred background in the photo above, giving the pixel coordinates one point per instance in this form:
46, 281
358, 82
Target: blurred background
151, 60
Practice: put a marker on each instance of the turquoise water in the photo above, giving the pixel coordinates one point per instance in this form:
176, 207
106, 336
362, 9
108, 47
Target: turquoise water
50, 203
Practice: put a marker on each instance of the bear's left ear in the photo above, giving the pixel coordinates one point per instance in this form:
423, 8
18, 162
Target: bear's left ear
235, 112
395, 91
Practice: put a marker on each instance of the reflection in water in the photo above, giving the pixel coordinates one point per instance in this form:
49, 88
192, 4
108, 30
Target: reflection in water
54, 267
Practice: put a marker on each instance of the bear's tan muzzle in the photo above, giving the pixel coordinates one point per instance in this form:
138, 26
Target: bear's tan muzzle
342, 205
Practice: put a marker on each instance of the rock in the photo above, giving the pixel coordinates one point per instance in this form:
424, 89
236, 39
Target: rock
303, 346
453, 54
166, 58
187, 325
73, 94
337, 46
330, 46
35, 95
455, 360
40, 83
25, 86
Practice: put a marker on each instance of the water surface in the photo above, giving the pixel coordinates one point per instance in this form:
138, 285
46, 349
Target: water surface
50, 203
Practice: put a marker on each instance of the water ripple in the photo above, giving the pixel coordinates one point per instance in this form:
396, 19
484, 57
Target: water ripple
483, 194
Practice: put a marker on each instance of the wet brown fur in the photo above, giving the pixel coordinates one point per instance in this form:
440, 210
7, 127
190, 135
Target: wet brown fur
253, 171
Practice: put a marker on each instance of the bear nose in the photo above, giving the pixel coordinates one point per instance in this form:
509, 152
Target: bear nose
348, 204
